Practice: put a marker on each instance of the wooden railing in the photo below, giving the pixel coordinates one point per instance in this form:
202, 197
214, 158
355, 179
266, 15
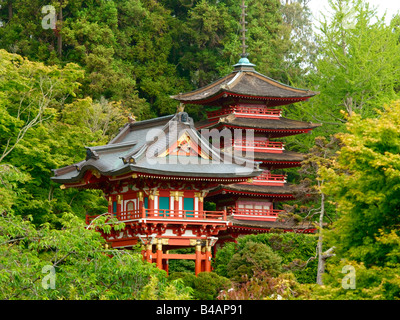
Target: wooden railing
247, 111
258, 145
266, 176
165, 214
254, 214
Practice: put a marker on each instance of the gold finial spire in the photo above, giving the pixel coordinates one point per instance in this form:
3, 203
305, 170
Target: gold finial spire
243, 22
180, 108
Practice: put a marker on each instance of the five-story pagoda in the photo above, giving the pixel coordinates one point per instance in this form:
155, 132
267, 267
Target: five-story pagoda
250, 123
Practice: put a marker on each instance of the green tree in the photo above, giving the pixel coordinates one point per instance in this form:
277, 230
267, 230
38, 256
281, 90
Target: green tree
296, 250
364, 185
252, 258
43, 126
263, 286
83, 268
205, 286
302, 49
357, 66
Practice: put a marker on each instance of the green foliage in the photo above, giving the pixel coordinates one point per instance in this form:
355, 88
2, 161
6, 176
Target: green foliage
161, 290
262, 286
222, 258
357, 70
364, 185
253, 258
181, 265
371, 283
295, 250
141, 52
43, 123
84, 268
60, 91
206, 285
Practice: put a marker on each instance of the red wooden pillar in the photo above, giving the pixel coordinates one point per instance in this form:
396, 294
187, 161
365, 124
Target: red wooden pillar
149, 253
201, 207
165, 263
110, 204
208, 258
151, 204
197, 265
203, 260
119, 206
159, 254
200, 202
176, 205
140, 200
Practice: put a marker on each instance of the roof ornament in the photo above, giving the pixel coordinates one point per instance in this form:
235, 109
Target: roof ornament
91, 154
131, 118
243, 22
244, 63
180, 108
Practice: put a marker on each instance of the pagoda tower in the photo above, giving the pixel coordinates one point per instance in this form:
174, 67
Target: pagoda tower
250, 123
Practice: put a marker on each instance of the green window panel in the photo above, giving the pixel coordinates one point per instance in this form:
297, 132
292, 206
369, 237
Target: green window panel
188, 206
163, 204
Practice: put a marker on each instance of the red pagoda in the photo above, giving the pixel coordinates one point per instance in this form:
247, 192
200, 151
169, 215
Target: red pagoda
249, 112
156, 174
249, 121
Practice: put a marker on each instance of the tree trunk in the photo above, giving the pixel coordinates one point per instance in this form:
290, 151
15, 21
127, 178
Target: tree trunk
10, 10
321, 261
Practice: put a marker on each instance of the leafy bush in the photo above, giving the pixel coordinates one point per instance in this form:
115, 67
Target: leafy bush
370, 283
254, 257
263, 286
206, 286
83, 267
161, 290
294, 249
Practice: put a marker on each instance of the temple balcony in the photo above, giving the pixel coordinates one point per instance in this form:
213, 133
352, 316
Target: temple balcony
254, 214
166, 215
258, 146
248, 111
268, 179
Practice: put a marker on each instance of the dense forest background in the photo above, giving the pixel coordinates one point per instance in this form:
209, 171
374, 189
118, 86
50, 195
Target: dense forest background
74, 84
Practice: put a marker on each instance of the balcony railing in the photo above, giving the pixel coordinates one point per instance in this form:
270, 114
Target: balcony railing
270, 177
259, 146
254, 214
165, 214
247, 111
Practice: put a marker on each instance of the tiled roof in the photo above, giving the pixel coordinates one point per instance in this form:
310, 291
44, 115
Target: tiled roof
253, 123
139, 146
245, 83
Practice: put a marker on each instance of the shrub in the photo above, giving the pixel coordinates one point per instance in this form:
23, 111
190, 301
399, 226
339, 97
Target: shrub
263, 286
254, 257
206, 286
294, 249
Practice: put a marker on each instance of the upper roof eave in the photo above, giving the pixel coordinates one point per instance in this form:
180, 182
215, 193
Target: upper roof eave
249, 79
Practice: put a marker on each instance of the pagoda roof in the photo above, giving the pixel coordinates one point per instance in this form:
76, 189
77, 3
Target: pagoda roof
168, 146
245, 82
285, 191
258, 226
273, 125
286, 155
